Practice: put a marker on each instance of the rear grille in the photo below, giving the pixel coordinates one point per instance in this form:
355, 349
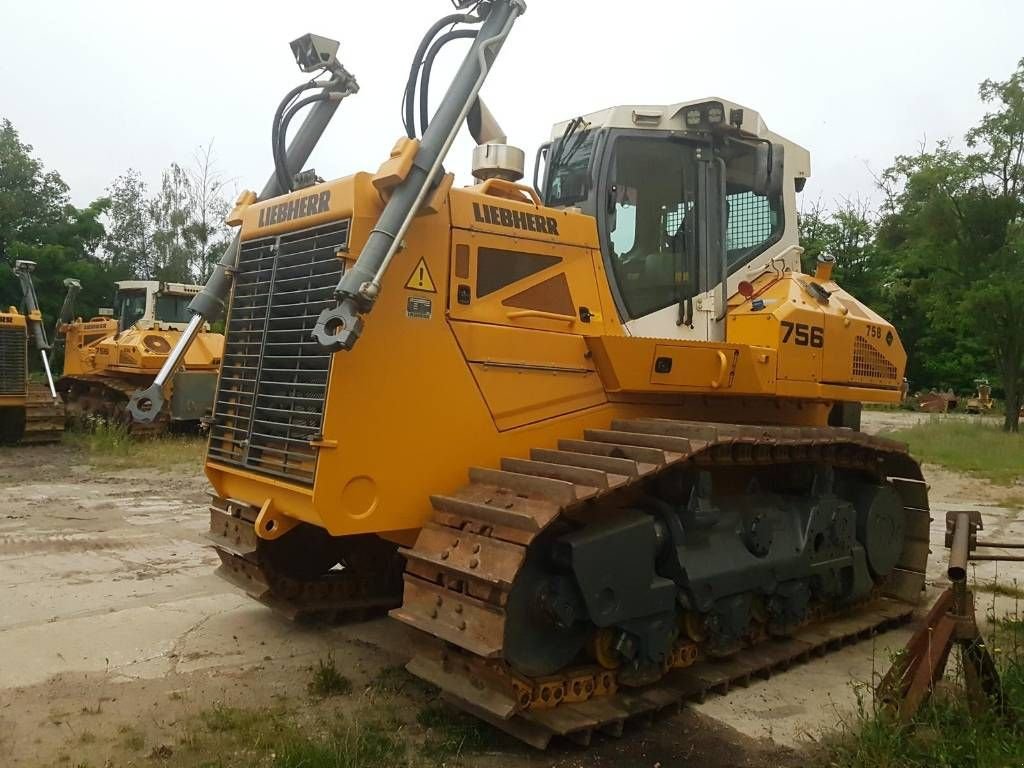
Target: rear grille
12, 360
273, 380
869, 363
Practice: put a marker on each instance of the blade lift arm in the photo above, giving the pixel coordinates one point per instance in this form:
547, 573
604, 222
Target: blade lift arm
67, 312
24, 269
209, 304
339, 327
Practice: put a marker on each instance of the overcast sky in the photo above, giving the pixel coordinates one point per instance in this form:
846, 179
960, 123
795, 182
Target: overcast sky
98, 87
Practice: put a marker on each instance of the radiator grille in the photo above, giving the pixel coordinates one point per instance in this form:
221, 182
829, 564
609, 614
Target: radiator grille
12, 360
869, 363
273, 381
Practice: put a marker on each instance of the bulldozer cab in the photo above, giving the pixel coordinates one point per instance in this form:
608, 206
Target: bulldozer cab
150, 304
689, 200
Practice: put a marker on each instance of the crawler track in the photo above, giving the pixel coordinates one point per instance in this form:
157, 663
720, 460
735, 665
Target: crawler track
44, 417
95, 398
466, 562
457, 676
370, 581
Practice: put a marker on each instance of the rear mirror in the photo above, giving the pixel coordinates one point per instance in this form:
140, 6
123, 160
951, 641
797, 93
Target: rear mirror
768, 169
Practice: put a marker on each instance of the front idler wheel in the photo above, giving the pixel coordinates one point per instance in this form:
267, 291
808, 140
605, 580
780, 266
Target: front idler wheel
546, 626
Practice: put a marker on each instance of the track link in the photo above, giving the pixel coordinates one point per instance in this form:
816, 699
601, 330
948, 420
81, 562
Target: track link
44, 416
370, 582
95, 398
462, 569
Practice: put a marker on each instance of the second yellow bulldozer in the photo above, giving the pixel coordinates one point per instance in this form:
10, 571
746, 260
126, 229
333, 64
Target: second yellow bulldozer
607, 419
30, 411
106, 357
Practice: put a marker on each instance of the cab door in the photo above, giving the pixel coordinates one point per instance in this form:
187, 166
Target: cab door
657, 241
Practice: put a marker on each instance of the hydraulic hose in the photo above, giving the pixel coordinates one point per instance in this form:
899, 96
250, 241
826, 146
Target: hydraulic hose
428, 65
409, 117
277, 141
145, 404
339, 327
282, 134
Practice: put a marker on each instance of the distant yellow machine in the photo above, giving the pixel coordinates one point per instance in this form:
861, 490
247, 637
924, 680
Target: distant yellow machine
982, 401
609, 421
106, 358
30, 412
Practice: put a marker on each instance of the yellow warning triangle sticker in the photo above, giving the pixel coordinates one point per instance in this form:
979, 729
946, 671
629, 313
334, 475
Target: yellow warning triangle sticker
420, 279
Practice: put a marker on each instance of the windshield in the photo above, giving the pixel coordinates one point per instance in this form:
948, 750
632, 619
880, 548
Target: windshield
652, 227
568, 181
129, 307
172, 309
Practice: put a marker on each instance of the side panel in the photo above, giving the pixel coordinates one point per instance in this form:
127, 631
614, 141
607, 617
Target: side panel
527, 376
192, 395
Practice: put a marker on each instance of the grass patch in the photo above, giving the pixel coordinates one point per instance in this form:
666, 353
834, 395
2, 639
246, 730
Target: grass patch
223, 719
945, 733
398, 680
977, 448
451, 733
131, 738
111, 447
1000, 589
366, 740
1013, 501
231, 737
327, 680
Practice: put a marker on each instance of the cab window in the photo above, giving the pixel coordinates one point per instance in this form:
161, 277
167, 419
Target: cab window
651, 222
129, 307
172, 309
754, 220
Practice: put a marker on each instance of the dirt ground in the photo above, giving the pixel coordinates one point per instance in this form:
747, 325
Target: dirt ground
115, 634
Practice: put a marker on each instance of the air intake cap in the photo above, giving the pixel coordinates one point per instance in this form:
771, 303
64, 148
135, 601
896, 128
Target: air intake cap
501, 161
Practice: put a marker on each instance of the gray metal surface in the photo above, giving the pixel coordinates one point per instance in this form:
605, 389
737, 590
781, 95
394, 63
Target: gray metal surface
339, 327
193, 395
270, 397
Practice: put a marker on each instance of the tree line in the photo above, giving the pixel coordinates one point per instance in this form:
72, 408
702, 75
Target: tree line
174, 233
941, 256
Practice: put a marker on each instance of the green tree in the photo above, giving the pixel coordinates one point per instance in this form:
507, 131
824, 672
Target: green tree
38, 223
952, 223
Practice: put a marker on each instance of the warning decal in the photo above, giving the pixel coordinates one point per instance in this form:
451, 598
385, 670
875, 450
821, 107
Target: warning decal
420, 279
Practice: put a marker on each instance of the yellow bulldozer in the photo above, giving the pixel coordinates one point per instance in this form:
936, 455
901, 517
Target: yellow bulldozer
596, 436
30, 411
106, 357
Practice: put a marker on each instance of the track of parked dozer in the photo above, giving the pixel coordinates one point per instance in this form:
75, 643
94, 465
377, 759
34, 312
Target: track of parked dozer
44, 416
93, 399
463, 567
